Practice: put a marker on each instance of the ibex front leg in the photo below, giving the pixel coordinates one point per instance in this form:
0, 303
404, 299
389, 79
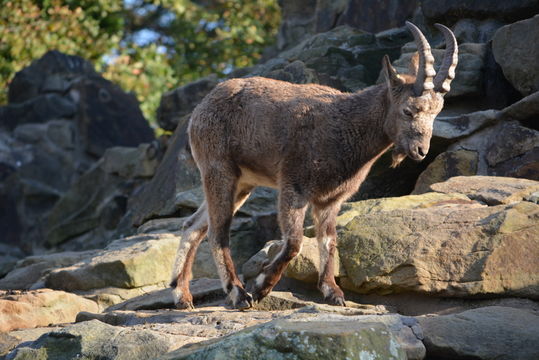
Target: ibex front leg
326, 234
292, 207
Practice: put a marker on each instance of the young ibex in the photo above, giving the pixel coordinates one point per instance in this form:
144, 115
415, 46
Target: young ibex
313, 143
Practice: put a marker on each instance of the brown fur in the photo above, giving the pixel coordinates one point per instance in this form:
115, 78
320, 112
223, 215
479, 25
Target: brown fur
313, 143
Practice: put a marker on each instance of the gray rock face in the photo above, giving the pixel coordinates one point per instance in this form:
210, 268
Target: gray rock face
516, 50
447, 11
307, 17
486, 333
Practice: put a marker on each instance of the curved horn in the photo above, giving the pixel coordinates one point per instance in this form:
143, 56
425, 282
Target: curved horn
426, 71
446, 73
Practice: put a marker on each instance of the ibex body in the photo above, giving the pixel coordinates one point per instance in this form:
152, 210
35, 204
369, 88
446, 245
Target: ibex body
313, 143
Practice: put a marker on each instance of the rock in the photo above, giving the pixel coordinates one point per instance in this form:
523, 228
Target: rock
490, 190
62, 116
295, 72
493, 332
524, 109
129, 162
504, 149
447, 11
456, 249
314, 336
40, 109
43, 307
9, 255
301, 19
376, 17
94, 339
124, 263
203, 290
454, 127
180, 102
53, 72
516, 51
30, 271
7, 342
11, 339
109, 296
87, 216
176, 173
469, 74
475, 31
445, 166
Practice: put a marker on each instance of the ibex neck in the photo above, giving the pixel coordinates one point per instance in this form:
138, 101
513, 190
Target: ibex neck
368, 112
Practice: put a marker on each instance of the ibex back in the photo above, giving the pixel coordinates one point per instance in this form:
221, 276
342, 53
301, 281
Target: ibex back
313, 143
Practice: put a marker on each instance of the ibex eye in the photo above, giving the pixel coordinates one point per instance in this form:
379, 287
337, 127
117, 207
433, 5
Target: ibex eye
407, 113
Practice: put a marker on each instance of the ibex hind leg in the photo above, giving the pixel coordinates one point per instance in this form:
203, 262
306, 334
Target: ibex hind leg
194, 230
223, 197
326, 234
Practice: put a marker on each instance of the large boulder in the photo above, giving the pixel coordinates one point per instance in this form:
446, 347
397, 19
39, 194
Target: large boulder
493, 332
516, 50
125, 263
457, 248
44, 307
313, 336
29, 273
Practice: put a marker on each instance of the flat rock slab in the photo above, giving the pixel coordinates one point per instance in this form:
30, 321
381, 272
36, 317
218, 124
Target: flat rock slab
490, 190
203, 290
28, 309
124, 263
493, 332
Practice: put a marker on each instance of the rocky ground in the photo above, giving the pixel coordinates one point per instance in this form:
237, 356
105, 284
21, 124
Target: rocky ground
438, 259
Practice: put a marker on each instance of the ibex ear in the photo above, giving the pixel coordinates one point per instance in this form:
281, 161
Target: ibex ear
392, 77
414, 64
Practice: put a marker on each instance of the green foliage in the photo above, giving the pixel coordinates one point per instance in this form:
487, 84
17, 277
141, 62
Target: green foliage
190, 39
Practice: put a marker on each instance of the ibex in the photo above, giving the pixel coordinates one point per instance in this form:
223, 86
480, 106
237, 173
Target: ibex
315, 145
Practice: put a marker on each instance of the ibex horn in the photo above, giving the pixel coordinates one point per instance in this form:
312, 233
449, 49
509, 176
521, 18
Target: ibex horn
425, 71
446, 73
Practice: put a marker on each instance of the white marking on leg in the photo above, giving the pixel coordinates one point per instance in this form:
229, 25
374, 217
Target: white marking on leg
326, 290
185, 245
260, 280
177, 295
323, 248
234, 295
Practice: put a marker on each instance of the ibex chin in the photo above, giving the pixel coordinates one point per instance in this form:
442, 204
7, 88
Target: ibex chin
315, 145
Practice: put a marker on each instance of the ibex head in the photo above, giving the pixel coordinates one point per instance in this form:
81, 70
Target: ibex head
415, 99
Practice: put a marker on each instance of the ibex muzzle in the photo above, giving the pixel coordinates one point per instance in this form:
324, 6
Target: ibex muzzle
313, 143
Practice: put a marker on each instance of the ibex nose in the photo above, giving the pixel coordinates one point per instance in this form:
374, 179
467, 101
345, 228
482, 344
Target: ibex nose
421, 152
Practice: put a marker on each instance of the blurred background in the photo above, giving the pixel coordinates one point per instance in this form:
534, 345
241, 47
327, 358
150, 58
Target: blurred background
145, 46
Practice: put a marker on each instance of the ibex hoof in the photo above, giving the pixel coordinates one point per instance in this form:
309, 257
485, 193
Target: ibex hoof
335, 299
185, 305
241, 299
